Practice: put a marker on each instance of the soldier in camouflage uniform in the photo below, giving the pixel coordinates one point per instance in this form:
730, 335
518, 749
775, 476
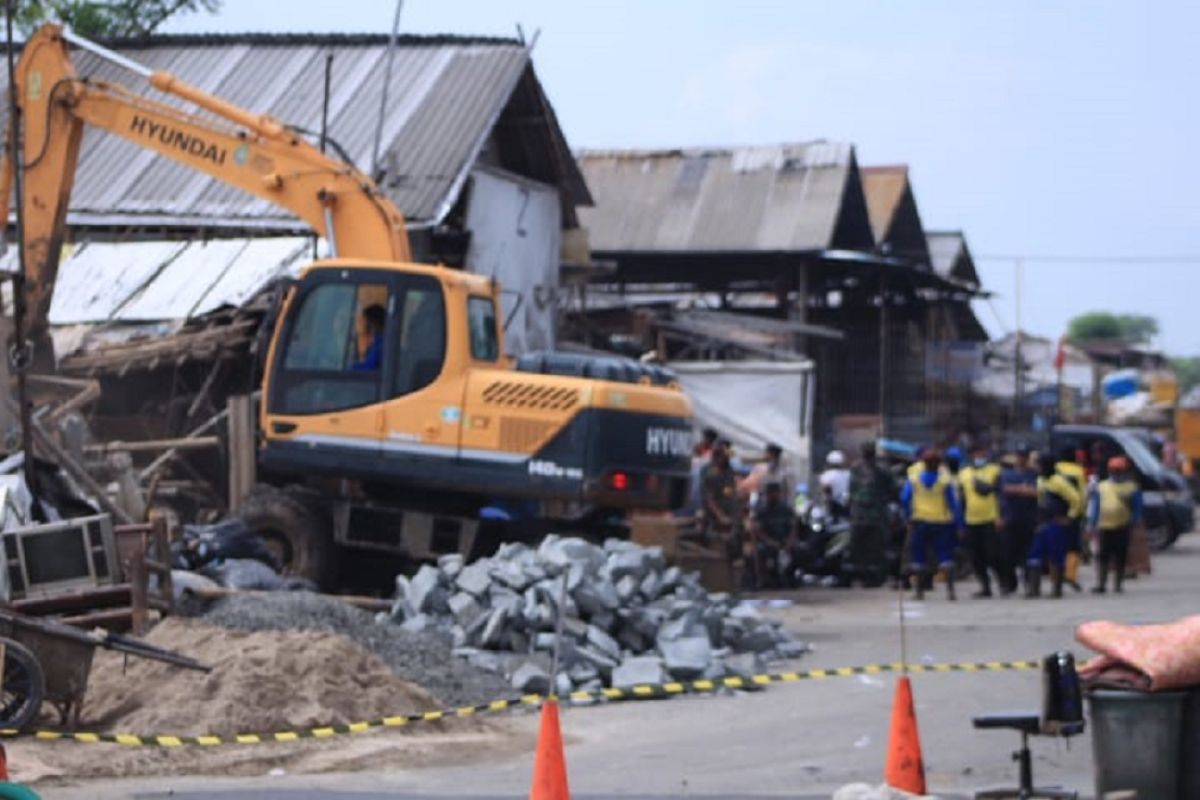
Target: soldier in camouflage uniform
871, 489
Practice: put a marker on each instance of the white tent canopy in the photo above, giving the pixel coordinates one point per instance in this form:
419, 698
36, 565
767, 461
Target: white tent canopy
754, 403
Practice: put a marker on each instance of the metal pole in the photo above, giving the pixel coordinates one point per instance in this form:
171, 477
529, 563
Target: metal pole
20, 352
383, 97
324, 121
883, 353
1018, 372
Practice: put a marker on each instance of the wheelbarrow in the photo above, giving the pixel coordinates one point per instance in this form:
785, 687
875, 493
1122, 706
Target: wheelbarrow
43, 660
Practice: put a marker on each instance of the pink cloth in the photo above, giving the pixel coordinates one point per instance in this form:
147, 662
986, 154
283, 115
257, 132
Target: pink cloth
1154, 657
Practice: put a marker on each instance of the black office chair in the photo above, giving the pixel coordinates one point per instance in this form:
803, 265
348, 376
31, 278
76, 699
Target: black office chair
1062, 715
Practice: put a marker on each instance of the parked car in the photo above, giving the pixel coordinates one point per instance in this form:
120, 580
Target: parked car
1169, 504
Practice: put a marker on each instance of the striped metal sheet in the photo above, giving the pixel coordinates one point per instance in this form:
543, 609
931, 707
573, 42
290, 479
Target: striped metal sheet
780, 198
444, 98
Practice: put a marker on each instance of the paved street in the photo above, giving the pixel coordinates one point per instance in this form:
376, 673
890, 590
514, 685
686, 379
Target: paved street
791, 740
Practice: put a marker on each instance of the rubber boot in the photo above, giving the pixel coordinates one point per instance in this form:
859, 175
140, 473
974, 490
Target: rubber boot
1056, 579
919, 579
1033, 582
1101, 577
950, 584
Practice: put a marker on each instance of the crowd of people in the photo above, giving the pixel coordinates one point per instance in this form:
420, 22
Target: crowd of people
1017, 519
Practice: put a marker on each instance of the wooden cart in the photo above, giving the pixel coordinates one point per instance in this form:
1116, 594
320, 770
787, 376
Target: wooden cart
43, 660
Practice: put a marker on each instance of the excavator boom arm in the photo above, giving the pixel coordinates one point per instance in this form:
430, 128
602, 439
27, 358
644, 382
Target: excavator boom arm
251, 152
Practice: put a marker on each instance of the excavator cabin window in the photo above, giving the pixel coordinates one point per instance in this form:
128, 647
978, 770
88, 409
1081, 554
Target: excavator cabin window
335, 348
351, 343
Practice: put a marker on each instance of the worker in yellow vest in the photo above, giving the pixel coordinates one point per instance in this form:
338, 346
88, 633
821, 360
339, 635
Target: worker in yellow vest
1114, 508
934, 514
1070, 467
979, 482
1057, 498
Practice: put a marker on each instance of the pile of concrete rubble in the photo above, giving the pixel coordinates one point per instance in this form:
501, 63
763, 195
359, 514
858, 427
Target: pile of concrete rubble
628, 617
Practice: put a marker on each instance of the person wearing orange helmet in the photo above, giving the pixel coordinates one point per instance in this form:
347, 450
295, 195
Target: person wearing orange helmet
1114, 509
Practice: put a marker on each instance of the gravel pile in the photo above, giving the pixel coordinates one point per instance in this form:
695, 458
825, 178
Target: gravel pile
419, 657
628, 617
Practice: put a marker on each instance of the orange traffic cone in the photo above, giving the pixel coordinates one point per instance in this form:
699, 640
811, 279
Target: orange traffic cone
550, 765
904, 769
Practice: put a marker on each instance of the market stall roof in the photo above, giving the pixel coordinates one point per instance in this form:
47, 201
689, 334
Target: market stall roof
451, 101
782, 198
895, 220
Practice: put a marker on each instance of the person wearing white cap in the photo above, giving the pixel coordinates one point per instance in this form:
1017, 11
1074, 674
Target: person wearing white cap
835, 483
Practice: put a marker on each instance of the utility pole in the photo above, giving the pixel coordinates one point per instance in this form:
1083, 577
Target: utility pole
1018, 367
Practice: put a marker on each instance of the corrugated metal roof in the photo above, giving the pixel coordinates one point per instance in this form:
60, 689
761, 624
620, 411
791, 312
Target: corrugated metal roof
780, 198
149, 281
951, 258
445, 96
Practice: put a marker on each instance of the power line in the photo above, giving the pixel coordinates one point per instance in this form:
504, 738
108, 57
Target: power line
1151, 259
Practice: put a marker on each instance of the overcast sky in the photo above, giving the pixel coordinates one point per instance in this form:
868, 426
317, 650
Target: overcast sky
1039, 128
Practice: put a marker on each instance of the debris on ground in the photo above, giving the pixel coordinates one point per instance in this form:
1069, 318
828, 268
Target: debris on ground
424, 658
260, 682
628, 617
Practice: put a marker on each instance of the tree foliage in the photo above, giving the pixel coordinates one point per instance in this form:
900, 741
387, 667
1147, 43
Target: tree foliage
106, 18
1095, 325
1187, 371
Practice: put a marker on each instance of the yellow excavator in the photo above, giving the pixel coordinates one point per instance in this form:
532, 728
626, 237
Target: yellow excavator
391, 418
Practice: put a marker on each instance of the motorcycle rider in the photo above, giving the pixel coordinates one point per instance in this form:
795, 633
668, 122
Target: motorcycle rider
934, 514
835, 484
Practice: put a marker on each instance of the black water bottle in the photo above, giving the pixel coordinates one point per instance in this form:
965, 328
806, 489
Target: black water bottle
1062, 698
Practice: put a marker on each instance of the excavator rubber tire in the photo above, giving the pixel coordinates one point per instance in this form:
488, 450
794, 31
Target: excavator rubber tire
297, 531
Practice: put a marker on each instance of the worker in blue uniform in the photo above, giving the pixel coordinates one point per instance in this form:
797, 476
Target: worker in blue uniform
934, 514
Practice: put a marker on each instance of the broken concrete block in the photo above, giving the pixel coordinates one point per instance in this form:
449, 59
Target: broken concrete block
510, 574
650, 586
639, 671
688, 657
633, 562
492, 630
424, 588
745, 665
450, 565
631, 640
418, 623
464, 607
583, 671
563, 685
759, 640
575, 628
475, 578
529, 678
596, 597
603, 642
792, 648
627, 589
604, 664
605, 620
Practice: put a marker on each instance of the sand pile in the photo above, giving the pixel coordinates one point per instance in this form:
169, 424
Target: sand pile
261, 682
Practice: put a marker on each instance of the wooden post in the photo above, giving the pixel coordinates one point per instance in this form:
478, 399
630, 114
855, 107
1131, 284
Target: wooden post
138, 588
240, 409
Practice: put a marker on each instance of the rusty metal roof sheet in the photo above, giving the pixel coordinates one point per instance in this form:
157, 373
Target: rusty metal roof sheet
781, 198
445, 96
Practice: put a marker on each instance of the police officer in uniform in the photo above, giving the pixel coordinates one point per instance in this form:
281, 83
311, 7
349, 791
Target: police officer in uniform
934, 514
1114, 508
980, 485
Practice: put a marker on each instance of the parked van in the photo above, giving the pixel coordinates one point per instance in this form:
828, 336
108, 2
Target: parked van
1169, 504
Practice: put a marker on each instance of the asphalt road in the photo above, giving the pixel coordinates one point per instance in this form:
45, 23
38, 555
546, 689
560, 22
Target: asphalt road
795, 740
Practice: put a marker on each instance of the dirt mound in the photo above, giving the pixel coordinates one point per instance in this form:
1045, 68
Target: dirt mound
261, 682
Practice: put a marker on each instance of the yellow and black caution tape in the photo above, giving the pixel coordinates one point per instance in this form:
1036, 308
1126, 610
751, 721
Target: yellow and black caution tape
642, 692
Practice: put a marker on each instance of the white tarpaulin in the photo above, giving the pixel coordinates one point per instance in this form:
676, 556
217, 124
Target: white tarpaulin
754, 403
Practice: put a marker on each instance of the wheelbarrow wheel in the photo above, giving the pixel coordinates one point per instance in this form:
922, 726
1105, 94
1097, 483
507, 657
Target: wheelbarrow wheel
23, 687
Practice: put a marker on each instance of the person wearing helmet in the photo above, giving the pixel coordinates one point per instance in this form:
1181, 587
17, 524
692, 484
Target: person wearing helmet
835, 484
1114, 508
934, 514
